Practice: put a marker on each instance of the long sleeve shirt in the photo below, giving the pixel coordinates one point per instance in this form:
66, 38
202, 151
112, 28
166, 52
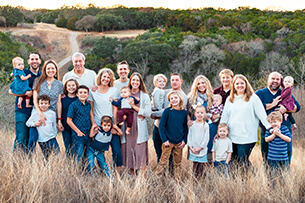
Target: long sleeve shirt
173, 126
198, 136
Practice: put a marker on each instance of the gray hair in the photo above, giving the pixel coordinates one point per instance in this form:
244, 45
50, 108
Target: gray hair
76, 54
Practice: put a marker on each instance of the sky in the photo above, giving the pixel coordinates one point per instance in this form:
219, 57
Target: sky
289, 5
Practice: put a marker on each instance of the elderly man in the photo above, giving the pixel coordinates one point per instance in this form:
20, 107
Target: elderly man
80, 73
270, 97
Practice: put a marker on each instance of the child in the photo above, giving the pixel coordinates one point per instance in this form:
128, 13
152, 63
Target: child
216, 109
101, 141
70, 89
277, 137
287, 100
198, 139
78, 118
158, 94
173, 132
222, 149
20, 85
125, 108
47, 132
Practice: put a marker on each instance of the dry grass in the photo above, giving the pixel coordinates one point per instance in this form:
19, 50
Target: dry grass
59, 180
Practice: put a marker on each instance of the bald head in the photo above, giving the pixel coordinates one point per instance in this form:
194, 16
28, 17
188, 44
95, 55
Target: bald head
274, 81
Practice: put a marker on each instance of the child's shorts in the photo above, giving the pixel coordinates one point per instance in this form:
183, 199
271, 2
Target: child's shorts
202, 159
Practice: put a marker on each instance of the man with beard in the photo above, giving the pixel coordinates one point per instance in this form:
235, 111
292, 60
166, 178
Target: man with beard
270, 97
22, 114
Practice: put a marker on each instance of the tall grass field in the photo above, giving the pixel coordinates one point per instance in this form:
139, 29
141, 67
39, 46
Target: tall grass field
24, 179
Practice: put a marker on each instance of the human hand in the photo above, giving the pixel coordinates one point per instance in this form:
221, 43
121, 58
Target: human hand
276, 101
63, 96
59, 126
116, 130
42, 119
110, 99
166, 144
141, 117
294, 126
28, 76
189, 123
214, 117
80, 134
131, 101
29, 93
281, 109
38, 123
94, 88
181, 146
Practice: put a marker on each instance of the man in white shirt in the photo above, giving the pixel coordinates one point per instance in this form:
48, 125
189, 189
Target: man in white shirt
80, 73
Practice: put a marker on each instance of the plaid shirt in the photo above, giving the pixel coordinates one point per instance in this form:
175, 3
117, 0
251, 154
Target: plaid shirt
216, 109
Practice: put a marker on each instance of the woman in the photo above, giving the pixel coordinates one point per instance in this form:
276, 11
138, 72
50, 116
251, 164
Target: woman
47, 84
101, 106
201, 92
135, 145
242, 112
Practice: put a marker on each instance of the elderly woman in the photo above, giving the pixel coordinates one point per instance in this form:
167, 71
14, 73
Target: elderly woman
135, 145
242, 112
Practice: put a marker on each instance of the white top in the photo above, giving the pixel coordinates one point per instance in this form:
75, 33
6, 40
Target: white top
102, 137
125, 104
145, 110
243, 119
87, 78
118, 84
198, 136
222, 147
47, 132
102, 105
158, 97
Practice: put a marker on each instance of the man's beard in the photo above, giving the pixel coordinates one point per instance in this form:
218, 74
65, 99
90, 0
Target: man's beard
271, 87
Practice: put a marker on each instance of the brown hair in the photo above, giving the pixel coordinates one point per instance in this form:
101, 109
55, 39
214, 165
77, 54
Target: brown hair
106, 119
142, 86
34, 53
275, 116
248, 91
100, 74
123, 63
44, 76
44, 98
180, 105
65, 85
177, 74
83, 87
226, 72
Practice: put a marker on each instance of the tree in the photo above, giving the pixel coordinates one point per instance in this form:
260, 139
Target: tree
107, 48
12, 16
86, 23
274, 62
298, 71
108, 21
71, 23
61, 22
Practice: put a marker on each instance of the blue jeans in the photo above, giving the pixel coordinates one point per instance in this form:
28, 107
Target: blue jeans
67, 138
276, 167
100, 160
158, 148
213, 131
222, 167
80, 147
116, 151
21, 131
241, 153
48, 147
33, 138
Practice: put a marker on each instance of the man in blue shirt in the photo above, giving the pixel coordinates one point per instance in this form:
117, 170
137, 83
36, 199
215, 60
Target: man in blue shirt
270, 97
22, 115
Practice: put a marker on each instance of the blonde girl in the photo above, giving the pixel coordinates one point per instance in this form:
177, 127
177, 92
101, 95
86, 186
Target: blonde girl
173, 132
198, 139
158, 94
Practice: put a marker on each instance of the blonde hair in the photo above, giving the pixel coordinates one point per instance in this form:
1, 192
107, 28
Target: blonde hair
15, 59
275, 116
289, 78
223, 125
199, 106
248, 91
217, 96
100, 74
226, 72
180, 105
156, 77
194, 91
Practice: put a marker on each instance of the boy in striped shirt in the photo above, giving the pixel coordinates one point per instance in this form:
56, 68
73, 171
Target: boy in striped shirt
278, 137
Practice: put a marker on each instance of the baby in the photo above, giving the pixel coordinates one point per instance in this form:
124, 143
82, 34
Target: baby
287, 100
126, 109
158, 94
216, 109
20, 85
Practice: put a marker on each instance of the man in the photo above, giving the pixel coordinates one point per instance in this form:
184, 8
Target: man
123, 71
176, 82
270, 97
22, 115
80, 73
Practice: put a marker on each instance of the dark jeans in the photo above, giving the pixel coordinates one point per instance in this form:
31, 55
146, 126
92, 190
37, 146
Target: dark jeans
21, 131
67, 138
80, 147
158, 148
48, 147
241, 153
116, 151
222, 167
33, 138
100, 160
277, 167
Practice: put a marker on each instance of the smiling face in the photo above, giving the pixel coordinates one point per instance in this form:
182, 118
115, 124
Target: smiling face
135, 82
161, 83
288, 82
174, 100
200, 113
123, 71
34, 62
105, 79
71, 87
222, 132
125, 92
275, 123
226, 80
274, 81
106, 126
82, 94
51, 70
78, 63
43, 105
217, 100
176, 82
240, 86
18, 64
201, 86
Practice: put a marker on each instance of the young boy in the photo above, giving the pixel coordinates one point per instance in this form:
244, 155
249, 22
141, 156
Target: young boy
101, 141
277, 137
48, 132
125, 108
79, 119
222, 149
216, 109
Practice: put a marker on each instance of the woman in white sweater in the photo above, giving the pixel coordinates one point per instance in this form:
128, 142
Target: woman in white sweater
242, 112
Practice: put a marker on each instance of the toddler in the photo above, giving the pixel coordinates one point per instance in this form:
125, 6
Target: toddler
125, 108
158, 95
216, 109
222, 149
198, 139
20, 85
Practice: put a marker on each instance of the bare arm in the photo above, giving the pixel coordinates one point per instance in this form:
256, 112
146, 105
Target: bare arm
229, 157
25, 77
270, 138
213, 156
27, 93
94, 125
274, 103
42, 117
59, 112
